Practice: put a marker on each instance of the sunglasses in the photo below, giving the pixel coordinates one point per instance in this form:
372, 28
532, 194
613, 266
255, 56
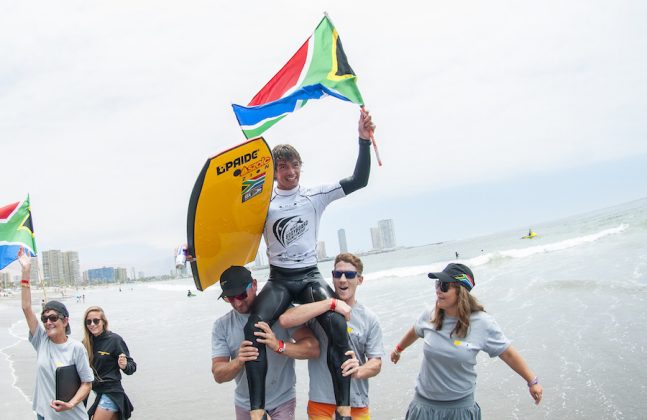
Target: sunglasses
89, 322
51, 318
349, 274
443, 286
241, 296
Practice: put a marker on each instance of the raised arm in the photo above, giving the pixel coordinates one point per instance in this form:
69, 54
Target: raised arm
25, 262
513, 359
301, 314
359, 179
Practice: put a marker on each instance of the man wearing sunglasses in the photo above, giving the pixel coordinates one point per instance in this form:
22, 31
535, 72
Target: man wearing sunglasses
230, 351
290, 232
365, 339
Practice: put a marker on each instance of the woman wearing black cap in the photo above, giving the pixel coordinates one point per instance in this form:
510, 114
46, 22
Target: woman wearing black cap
109, 356
454, 332
53, 349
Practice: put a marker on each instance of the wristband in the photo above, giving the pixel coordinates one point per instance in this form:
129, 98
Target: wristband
398, 348
333, 305
24, 281
281, 347
535, 381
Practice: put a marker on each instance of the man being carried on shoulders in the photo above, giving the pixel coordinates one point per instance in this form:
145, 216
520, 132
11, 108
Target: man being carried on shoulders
365, 339
230, 351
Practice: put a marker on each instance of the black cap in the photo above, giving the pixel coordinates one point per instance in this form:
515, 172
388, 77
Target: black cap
55, 305
456, 272
234, 280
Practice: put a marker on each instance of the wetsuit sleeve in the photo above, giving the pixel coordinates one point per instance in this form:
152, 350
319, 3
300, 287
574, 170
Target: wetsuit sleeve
131, 366
359, 179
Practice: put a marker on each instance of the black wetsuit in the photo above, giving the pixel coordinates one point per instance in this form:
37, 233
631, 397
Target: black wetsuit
294, 276
106, 349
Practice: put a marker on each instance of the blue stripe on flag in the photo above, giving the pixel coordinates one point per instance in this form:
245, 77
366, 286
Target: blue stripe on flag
251, 116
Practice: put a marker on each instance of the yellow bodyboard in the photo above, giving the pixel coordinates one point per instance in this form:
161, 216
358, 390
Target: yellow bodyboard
227, 210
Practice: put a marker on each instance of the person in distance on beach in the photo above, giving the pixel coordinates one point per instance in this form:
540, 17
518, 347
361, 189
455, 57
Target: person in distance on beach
454, 332
290, 233
109, 356
231, 353
365, 339
54, 348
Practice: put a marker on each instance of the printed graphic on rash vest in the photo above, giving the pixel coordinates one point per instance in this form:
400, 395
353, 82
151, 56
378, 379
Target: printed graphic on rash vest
289, 229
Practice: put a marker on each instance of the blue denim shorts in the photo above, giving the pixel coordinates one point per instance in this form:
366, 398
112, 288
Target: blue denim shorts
107, 404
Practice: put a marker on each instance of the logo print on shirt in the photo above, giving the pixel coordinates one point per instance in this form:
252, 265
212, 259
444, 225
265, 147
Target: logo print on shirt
289, 229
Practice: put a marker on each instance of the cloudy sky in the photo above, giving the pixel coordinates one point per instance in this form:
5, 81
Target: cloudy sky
491, 115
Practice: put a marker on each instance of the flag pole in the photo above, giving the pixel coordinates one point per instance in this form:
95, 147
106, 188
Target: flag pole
373, 142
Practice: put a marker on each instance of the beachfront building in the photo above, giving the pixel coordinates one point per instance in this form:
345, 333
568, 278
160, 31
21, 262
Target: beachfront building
60, 268
5, 281
121, 275
343, 245
387, 231
101, 275
376, 239
52, 267
71, 268
321, 250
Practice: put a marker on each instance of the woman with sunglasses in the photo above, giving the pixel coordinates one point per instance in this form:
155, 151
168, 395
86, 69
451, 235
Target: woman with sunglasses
54, 348
109, 356
290, 232
454, 332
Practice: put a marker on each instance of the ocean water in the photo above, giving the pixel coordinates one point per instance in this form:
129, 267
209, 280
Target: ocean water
572, 300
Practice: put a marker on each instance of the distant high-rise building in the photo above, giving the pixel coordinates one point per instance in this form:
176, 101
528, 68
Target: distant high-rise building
53, 272
387, 231
341, 236
258, 262
61, 268
376, 239
321, 250
101, 275
71, 268
34, 273
121, 275
5, 281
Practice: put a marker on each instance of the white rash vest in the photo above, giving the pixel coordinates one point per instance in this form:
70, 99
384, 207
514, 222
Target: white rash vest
292, 224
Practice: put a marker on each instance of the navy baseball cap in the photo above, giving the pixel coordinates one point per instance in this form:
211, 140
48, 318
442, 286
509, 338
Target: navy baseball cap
455, 273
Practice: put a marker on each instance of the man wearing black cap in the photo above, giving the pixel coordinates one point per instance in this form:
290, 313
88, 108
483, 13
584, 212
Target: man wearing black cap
230, 350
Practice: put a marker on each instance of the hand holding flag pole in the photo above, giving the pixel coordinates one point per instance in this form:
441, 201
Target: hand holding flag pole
370, 127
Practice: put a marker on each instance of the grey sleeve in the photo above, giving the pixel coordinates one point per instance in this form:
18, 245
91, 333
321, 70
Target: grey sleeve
495, 341
219, 347
374, 343
422, 321
82, 363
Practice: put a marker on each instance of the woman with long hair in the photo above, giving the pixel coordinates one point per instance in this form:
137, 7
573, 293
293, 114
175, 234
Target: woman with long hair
454, 332
54, 348
109, 356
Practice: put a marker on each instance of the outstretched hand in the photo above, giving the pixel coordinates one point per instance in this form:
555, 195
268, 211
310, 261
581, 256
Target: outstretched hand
24, 259
536, 392
365, 126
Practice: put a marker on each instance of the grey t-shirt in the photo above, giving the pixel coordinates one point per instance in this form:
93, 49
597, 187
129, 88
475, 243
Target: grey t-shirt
49, 356
447, 371
226, 336
366, 341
